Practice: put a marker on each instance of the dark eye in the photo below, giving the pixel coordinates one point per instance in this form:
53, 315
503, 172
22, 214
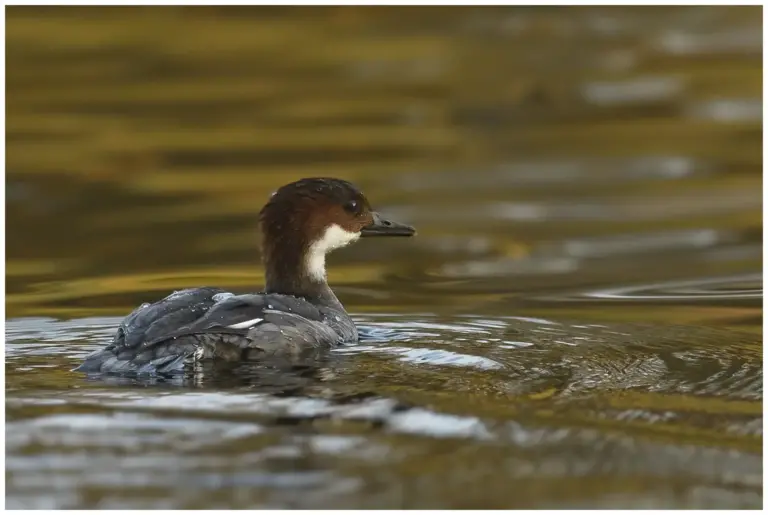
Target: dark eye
351, 206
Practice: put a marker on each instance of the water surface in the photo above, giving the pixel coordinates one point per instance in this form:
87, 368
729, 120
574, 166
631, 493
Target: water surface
578, 323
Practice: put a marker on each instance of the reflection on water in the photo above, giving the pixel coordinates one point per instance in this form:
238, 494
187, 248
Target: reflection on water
573, 403
580, 314
739, 287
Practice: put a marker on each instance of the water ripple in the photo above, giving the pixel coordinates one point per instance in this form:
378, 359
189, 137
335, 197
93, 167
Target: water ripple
744, 286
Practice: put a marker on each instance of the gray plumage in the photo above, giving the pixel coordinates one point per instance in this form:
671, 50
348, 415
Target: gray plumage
196, 324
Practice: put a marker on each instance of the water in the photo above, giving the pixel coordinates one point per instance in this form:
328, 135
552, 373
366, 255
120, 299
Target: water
577, 324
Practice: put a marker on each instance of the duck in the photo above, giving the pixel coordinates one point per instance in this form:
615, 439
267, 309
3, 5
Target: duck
296, 313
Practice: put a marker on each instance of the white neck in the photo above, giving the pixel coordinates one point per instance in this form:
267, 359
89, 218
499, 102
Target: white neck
334, 238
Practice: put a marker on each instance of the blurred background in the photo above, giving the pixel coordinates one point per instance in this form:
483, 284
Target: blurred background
580, 165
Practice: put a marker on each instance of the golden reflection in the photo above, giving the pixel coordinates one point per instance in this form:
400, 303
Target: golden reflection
141, 143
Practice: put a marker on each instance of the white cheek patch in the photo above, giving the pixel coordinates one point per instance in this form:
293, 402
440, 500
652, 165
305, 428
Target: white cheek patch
247, 323
334, 238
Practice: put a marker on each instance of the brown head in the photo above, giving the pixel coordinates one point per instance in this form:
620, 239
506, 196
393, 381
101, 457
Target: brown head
305, 220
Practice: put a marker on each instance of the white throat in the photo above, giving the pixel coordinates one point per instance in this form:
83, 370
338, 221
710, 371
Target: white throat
334, 238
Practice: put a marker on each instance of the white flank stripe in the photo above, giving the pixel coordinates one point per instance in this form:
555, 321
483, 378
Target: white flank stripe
247, 323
